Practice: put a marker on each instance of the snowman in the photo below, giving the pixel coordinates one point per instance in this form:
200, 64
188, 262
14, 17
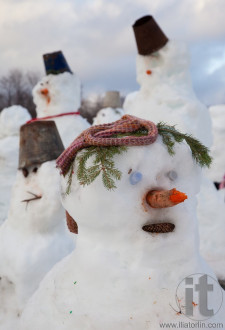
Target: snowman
58, 97
10, 121
34, 237
135, 207
111, 109
166, 94
217, 169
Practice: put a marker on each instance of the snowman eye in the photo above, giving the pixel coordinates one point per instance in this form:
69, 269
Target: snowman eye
172, 175
135, 177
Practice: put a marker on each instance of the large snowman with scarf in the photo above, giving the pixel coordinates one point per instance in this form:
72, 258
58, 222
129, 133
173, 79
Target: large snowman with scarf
34, 237
58, 97
135, 206
166, 94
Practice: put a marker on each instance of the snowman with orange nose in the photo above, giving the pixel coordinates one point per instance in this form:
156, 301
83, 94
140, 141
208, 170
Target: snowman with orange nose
57, 97
131, 188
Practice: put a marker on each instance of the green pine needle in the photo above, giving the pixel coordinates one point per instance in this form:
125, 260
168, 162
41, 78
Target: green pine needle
102, 164
170, 135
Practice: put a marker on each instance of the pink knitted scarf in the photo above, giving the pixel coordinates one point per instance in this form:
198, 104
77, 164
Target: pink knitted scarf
103, 135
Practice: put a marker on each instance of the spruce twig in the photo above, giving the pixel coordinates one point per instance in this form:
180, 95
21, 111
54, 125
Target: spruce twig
102, 163
170, 135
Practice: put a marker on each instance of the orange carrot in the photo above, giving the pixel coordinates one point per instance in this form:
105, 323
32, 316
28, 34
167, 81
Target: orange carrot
44, 91
149, 72
165, 198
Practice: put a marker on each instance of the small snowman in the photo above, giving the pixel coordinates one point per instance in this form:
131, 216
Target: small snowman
166, 92
135, 207
111, 109
217, 169
58, 97
34, 237
10, 121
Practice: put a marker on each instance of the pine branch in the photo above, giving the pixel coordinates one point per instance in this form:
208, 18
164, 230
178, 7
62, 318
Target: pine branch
170, 135
102, 163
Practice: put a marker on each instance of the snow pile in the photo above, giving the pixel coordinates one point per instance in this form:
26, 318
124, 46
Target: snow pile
108, 115
211, 210
32, 239
217, 169
10, 121
166, 92
121, 277
59, 94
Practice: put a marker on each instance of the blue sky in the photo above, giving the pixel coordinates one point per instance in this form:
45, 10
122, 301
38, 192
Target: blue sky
97, 39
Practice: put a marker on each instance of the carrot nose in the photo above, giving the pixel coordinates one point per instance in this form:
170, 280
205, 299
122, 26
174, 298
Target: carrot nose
165, 198
44, 91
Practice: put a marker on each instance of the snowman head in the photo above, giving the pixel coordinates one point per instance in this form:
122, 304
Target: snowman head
159, 60
169, 64
144, 170
36, 194
12, 118
56, 94
35, 203
108, 115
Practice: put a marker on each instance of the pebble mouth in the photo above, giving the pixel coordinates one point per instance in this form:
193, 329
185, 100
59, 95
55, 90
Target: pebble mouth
163, 227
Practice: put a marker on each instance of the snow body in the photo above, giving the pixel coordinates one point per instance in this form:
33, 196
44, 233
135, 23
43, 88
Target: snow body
167, 95
108, 115
62, 94
10, 121
120, 277
32, 239
166, 92
217, 170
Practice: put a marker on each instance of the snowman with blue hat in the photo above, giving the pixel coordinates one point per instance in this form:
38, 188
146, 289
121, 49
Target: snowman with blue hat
58, 97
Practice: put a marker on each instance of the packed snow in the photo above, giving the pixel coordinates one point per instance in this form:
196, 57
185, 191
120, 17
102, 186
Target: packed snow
61, 94
10, 121
119, 276
217, 169
32, 239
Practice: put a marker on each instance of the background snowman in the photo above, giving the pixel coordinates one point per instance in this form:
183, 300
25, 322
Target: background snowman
10, 121
58, 97
166, 94
138, 233
34, 236
111, 109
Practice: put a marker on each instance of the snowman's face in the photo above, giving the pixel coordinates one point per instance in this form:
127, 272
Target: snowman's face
144, 169
108, 115
35, 201
56, 94
170, 61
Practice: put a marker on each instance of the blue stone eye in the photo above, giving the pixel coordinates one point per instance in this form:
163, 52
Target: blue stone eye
135, 177
172, 175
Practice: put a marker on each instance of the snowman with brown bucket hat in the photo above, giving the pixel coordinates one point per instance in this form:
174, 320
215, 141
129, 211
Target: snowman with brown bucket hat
34, 236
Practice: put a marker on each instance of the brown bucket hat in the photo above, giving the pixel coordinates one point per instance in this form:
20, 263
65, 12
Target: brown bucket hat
40, 142
149, 37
